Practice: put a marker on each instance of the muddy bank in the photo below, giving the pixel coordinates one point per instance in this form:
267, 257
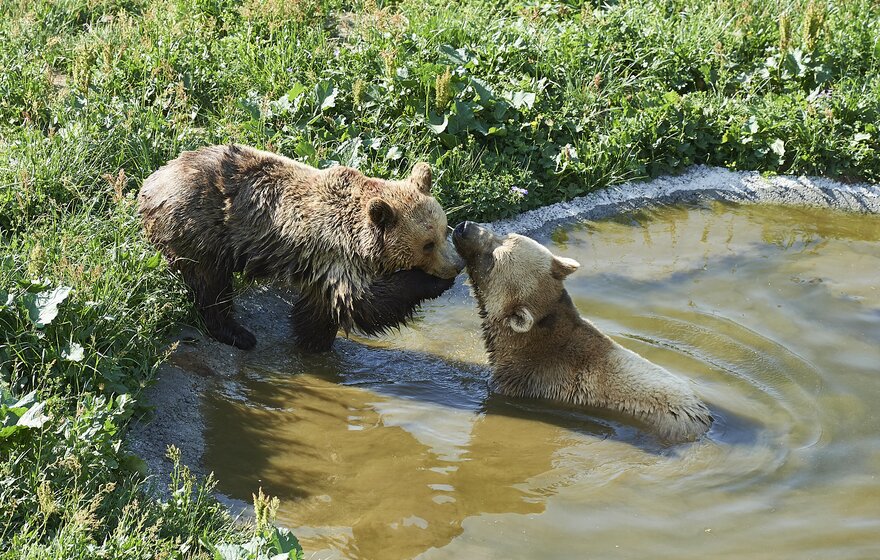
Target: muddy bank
199, 364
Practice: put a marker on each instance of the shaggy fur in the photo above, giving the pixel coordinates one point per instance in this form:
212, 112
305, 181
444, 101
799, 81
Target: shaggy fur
540, 346
336, 235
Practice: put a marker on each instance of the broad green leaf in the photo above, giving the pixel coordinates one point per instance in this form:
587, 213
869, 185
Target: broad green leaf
449, 140
465, 111
437, 123
455, 56
6, 396
463, 118
34, 417
520, 99
795, 62
283, 540
73, 352
280, 106
26, 401
753, 124
35, 286
117, 388
325, 94
295, 91
154, 260
671, 97
394, 153
482, 89
43, 307
123, 400
226, 551
133, 463
500, 109
778, 147
252, 108
305, 149
7, 431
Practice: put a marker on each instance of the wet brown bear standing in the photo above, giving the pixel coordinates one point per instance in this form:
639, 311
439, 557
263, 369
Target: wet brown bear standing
363, 252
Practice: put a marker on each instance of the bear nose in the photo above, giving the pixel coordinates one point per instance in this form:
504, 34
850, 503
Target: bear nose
461, 230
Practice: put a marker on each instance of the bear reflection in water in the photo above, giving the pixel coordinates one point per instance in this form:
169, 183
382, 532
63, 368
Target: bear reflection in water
382, 469
539, 345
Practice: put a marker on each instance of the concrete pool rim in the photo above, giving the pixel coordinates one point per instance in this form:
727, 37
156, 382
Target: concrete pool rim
700, 183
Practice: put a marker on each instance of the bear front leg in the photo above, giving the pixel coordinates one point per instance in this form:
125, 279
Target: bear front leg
212, 292
314, 328
391, 300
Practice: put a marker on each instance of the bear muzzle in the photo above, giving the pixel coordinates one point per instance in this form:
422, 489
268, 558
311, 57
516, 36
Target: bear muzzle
447, 263
462, 229
471, 240
463, 236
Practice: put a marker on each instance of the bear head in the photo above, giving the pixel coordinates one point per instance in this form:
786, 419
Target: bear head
413, 226
516, 280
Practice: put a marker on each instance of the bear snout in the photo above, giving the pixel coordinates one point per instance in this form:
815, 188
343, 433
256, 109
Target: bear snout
461, 230
456, 259
472, 239
448, 264
462, 238
466, 233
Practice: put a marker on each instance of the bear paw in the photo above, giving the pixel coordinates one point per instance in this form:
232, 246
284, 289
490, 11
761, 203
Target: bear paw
244, 339
234, 335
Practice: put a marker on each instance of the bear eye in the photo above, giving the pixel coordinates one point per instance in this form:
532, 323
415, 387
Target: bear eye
428, 247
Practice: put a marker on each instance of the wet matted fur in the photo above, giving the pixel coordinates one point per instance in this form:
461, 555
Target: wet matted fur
363, 252
540, 346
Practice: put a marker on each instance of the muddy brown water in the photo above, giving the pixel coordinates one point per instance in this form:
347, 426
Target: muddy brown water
394, 448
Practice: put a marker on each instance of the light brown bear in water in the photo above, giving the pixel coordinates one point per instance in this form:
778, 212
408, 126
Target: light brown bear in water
363, 252
540, 346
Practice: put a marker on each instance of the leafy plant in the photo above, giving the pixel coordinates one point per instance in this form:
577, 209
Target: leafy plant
17, 415
268, 543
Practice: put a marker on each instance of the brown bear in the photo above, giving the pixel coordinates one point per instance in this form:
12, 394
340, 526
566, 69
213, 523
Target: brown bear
363, 252
540, 346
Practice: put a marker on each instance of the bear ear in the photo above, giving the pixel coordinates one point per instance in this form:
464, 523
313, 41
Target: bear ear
421, 177
521, 320
381, 213
562, 267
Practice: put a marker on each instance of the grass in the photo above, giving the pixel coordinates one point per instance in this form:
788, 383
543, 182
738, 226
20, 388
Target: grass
517, 104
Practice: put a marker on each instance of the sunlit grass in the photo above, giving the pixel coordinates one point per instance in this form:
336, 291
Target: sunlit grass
517, 104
